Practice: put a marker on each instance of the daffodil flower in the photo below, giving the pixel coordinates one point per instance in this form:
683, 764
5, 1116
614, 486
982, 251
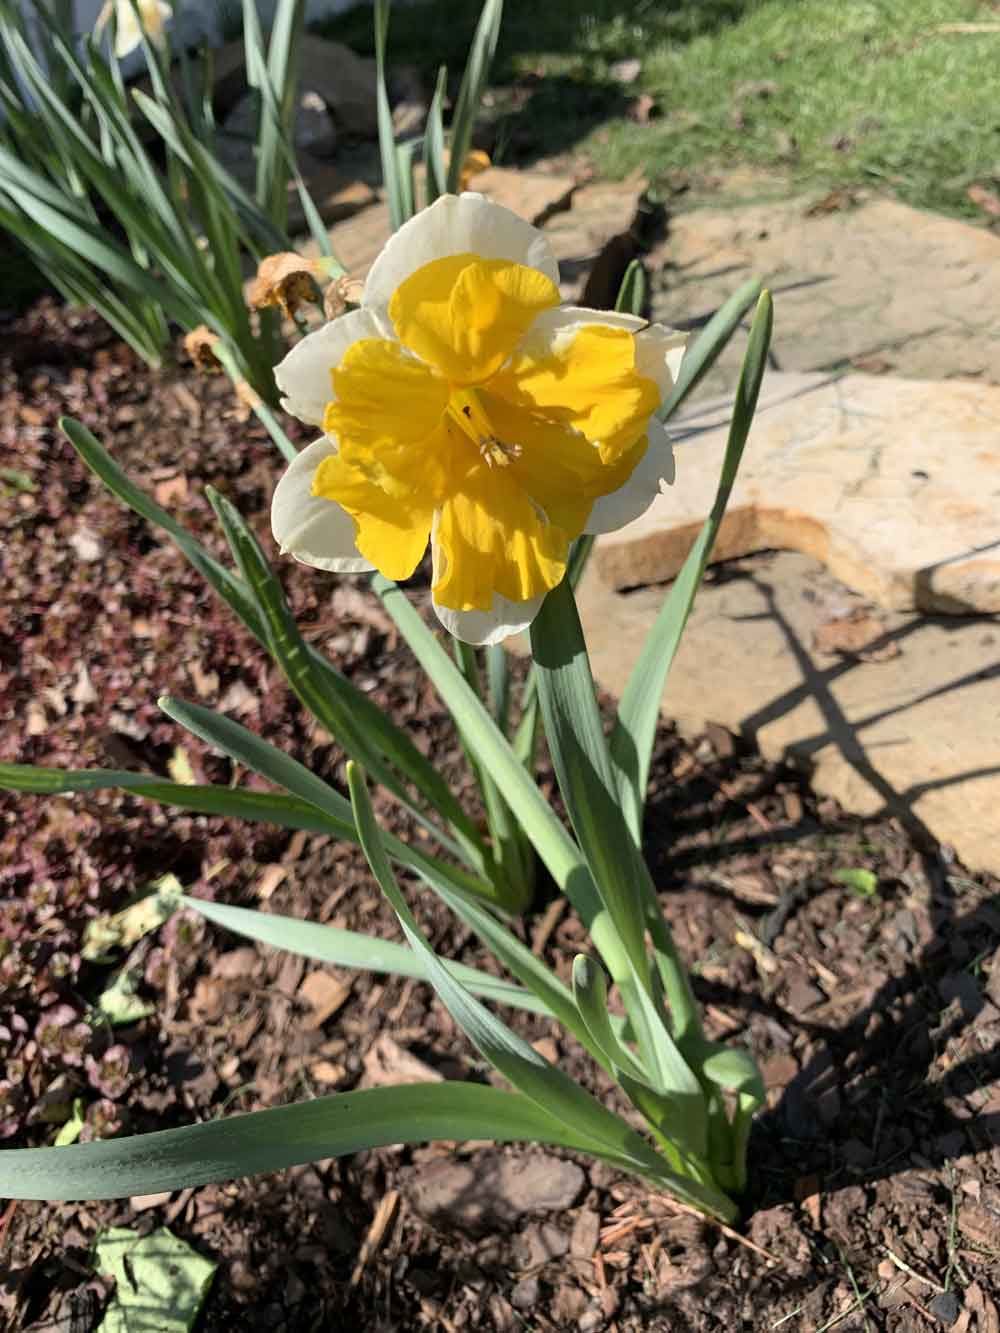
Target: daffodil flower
129, 26
462, 404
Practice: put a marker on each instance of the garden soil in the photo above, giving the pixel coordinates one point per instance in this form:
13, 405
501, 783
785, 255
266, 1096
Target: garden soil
874, 1196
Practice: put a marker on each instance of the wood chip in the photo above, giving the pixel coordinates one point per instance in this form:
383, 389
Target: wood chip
205, 682
327, 1073
324, 994
548, 923
273, 875
174, 489
388, 1064
808, 1195
976, 1300
141, 1202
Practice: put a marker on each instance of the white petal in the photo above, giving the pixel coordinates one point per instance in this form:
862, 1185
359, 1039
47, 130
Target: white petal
315, 531
658, 355
552, 330
304, 375
455, 225
493, 626
654, 470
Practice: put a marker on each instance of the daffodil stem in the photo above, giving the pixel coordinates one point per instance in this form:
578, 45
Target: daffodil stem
509, 850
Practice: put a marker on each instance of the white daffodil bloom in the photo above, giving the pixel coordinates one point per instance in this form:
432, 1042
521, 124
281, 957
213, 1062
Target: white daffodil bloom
129, 25
461, 404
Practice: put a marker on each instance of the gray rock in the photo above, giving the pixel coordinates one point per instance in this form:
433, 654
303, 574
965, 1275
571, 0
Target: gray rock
491, 1190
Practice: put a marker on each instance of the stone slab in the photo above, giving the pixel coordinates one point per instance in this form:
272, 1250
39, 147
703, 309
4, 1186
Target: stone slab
916, 735
877, 286
533, 195
599, 211
893, 484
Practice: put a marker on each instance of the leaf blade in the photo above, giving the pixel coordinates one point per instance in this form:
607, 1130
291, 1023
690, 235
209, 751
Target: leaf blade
638, 711
272, 1140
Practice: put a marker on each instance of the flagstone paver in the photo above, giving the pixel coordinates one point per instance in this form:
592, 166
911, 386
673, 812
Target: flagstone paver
910, 724
893, 484
880, 286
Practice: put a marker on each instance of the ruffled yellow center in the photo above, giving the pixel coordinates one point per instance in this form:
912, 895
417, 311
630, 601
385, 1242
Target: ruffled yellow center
497, 435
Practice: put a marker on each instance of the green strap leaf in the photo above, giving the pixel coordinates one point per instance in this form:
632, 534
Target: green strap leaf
266, 759
232, 802
588, 783
390, 740
347, 948
575, 735
334, 708
493, 752
271, 1140
386, 135
633, 294
470, 94
519, 960
702, 354
638, 712
545, 1084
677, 1118
436, 179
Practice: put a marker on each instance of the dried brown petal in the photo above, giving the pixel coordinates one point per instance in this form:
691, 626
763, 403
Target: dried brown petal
199, 344
342, 295
286, 280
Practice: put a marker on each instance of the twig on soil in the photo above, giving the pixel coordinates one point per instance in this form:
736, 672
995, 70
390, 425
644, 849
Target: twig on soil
754, 811
727, 1231
904, 1267
397, 1011
599, 1273
384, 1214
547, 925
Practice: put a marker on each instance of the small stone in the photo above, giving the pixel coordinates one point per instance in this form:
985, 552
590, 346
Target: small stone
236, 964
87, 545
586, 1232
327, 1073
491, 1191
542, 1242
857, 1154
324, 995
961, 986
945, 1307
525, 1294
83, 692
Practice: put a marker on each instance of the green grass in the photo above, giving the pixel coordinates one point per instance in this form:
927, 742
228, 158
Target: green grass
857, 92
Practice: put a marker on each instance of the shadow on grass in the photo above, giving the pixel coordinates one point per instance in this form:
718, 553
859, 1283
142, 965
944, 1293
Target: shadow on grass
552, 70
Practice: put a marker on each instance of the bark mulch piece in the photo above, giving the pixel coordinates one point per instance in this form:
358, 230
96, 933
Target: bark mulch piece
874, 1200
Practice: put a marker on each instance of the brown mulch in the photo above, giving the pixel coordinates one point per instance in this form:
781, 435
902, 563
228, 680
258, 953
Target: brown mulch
874, 1200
